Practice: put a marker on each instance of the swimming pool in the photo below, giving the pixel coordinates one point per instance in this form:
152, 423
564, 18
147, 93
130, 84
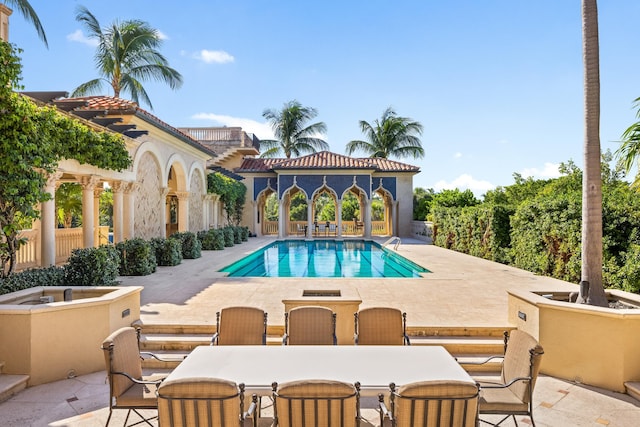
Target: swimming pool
324, 258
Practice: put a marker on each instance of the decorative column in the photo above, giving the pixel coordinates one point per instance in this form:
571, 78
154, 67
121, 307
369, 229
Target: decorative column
256, 219
48, 223
118, 209
88, 184
183, 210
310, 227
164, 192
128, 217
216, 211
394, 218
96, 215
281, 218
366, 217
339, 217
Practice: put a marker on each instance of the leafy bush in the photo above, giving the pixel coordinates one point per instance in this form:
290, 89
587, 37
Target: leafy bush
92, 267
244, 233
237, 234
191, 247
50, 276
137, 257
212, 240
168, 251
229, 236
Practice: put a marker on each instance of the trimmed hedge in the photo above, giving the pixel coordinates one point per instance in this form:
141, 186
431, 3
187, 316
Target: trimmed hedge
137, 257
168, 251
92, 267
211, 240
50, 276
229, 236
191, 247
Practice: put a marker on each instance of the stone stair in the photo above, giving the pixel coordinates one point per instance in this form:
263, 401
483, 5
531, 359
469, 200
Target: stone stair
173, 342
11, 384
633, 389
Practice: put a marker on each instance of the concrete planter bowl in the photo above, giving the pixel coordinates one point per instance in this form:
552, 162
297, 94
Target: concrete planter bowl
591, 345
48, 338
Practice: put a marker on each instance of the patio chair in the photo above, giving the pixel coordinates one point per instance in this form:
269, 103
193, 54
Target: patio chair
310, 326
204, 402
333, 229
128, 389
431, 404
316, 403
381, 326
240, 326
512, 394
301, 230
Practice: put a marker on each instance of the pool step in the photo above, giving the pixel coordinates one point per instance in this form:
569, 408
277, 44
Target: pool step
173, 342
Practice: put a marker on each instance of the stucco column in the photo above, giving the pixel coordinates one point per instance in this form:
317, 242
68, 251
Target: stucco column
310, 227
339, 217
216, 211
118, 209
164, 192
183, 210
88, 184
366, 218
206, 211
281, 218
48, 223
128, 217
96, 215
256, 224
394, 218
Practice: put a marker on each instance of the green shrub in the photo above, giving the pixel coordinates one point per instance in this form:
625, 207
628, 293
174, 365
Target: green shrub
137, 257
229, 236
237, 234
92, 267
50, 276
168, 251
191, 247
244, 233
212, 240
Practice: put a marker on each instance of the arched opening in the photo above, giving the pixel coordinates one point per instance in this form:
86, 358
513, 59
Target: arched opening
268, 212
296, 206
353, 212
172, 203
324, 212
381, 213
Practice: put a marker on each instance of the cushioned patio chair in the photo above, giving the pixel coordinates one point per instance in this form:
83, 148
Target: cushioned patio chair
310, 326
381, 326
240, 326
128, 389
512, 394
204, 402
431, 404
316, 403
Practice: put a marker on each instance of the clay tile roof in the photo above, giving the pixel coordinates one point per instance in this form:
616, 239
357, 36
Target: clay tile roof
324, 160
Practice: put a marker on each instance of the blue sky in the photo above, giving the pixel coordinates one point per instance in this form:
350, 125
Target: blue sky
497, 84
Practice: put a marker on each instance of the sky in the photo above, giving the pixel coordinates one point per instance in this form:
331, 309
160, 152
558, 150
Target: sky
497, 84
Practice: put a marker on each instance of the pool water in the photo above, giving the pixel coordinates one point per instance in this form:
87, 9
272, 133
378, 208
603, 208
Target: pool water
324, 258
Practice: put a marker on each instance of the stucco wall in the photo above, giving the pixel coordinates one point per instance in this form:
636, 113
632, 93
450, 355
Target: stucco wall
149, 203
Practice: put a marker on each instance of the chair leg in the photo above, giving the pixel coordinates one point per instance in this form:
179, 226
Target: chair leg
109, 417
143, 419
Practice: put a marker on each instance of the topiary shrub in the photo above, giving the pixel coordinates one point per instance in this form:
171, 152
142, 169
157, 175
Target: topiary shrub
137, 257
50, 276
244, 233
92, 267
212, 240
229, 236
191, 247
168, 251
237, 235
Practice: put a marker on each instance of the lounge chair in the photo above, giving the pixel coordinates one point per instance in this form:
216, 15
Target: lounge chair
381, 326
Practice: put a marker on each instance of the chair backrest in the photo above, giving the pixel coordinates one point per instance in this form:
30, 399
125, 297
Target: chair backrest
380, 326
310, 326
316, 403
200, 402
122, 354
521, 359
435, 403
241, 326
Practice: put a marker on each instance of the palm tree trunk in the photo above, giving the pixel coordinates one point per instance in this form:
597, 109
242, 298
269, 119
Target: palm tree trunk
592, 176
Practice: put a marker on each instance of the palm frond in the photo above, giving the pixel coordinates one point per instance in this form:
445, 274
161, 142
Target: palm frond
88, 88
30, 15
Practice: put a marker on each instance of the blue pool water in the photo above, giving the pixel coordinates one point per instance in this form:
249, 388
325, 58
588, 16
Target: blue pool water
324, 258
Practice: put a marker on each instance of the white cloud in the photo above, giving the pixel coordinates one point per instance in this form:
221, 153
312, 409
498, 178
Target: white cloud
464, 182
457, 155
261, 130
162, 36
78, 36
550, 170
213, 56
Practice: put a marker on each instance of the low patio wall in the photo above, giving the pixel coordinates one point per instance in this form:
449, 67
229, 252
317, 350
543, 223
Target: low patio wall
591, 345
57, 340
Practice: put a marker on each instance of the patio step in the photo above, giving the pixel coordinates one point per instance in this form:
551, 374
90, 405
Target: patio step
463, 345
11, 384
633, 389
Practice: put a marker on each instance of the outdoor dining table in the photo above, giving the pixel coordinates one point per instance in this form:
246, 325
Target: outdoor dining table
373, 366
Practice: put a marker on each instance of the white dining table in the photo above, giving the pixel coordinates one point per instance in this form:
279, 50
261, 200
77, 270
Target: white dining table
373, 366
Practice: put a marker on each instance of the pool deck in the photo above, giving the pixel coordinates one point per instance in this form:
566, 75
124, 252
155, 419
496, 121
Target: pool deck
460, 291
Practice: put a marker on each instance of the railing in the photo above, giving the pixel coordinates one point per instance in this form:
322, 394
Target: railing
67, 239
28, 256
231, 136
393, 239
270, 228
378, 228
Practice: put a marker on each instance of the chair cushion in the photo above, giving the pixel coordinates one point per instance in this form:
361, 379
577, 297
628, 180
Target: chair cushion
199, 401
241, 326
139, 395
304, 403
125, 358
311, 326
500, 400
517, 362
380, 326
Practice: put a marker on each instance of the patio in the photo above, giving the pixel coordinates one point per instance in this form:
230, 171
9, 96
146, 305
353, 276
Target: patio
461, 291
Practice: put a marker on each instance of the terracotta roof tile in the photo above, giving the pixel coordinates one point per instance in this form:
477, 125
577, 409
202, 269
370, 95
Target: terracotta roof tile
324, 160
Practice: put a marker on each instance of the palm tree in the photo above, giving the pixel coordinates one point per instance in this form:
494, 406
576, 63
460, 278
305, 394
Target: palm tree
628, 154
293, 136
30, 15
391, 136
127, 54
591, 289
68, 203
